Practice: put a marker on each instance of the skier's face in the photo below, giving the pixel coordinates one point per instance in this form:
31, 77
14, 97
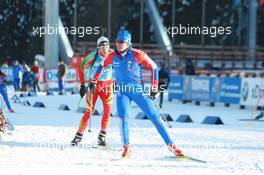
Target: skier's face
121, 45
104, 50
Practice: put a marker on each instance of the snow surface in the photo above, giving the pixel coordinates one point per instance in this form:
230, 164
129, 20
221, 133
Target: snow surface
39, 144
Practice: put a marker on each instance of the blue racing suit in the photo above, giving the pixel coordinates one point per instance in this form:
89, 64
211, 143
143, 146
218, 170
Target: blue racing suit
130, 87
3, 90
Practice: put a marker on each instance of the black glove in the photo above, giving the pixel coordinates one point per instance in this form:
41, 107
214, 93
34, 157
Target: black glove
82, 91
92, 85
153, 94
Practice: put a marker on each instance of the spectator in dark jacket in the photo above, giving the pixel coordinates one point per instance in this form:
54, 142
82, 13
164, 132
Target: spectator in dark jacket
189, 68
164, 81
61, 74
27, 78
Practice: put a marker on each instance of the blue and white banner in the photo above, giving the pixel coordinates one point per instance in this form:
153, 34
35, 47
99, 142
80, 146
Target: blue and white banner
51, 75
200, 89
176, 87
243, 91
251, 90
230, 90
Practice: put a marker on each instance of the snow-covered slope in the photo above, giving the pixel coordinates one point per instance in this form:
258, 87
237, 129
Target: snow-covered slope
39, 144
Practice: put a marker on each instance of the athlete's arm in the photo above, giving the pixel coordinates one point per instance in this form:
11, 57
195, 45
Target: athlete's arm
88, 59
146, 61
103, 65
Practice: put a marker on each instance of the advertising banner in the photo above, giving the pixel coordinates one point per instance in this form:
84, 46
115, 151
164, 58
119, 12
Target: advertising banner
51, 75
176, 87
200, 88
229, 90
251, 89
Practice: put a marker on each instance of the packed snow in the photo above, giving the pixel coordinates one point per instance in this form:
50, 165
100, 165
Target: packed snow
39, 143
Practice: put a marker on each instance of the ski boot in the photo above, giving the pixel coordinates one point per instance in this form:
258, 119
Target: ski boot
11, 110
175, 150
259, 116
77, 139
102, 138
126, 151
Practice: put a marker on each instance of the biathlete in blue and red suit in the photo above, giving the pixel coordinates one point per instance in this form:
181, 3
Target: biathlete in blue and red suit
127, 63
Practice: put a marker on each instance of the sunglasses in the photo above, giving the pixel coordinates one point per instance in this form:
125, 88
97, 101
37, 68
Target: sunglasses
120, 41
102, 44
